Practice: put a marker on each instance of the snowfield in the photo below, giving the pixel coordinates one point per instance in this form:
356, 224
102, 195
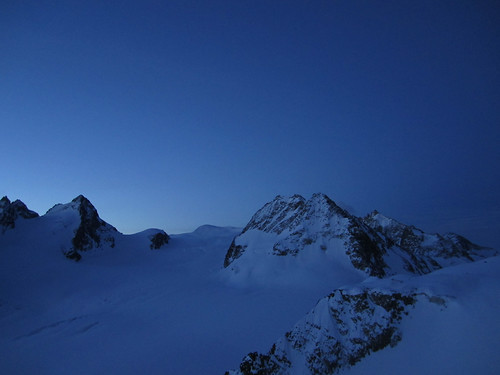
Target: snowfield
132, 310
127, 309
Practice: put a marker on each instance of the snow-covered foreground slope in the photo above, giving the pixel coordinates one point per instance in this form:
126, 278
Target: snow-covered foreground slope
129, 310
445, 322
460, 337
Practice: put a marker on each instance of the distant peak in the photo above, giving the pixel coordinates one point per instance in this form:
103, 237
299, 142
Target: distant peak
323, 200
4, 201
320, 197
11, 211
287, 198
372, 214
80, 199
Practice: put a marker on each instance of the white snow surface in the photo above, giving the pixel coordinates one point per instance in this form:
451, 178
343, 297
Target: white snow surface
459, 338
452, 328
130, 310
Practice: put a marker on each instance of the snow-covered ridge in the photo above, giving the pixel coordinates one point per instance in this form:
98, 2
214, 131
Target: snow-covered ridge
338, 332
424, 252
319, 228
287, 214
167, 305
77, 225
353, 323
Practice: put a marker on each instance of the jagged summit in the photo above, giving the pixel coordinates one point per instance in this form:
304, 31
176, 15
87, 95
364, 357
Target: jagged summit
11, 211
423, 252
90, 230
81, 199
374, 244
76, 227
285, 213
314, 227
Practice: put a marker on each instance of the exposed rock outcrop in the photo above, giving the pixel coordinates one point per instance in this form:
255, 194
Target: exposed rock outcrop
338, 332
158, 240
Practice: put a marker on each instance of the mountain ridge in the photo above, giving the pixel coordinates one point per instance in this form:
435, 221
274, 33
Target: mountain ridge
81, 222
168, 305
374, 244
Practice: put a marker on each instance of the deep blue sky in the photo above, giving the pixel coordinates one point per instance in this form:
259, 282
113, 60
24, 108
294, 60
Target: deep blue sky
174, 114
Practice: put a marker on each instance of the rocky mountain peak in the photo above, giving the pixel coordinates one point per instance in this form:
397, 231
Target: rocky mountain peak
81, 200
4, 202
322, 203
277, 215
88, 212
286, 213
92, 228
382, 223
375, 244
11, 211
317, 223
91, 232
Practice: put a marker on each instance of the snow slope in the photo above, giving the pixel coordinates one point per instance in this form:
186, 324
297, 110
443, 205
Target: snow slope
444, 322
458, 338
128, 309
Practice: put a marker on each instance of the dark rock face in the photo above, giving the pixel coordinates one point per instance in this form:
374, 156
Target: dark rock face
92, 229
233, 253
10, 212
158, 240
73, 255
365, 249
342, 329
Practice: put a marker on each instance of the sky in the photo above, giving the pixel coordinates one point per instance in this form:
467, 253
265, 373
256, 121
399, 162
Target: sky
174, 114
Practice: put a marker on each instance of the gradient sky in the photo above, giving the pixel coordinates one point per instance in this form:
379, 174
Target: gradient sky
174, 114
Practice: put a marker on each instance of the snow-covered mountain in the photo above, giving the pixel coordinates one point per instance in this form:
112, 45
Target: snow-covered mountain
290, 234
80, 218
75, 227
318, 231
424, 252
307, 288
10, 212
